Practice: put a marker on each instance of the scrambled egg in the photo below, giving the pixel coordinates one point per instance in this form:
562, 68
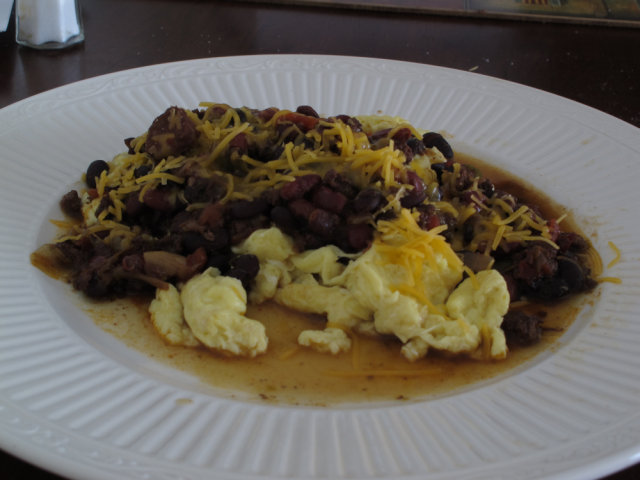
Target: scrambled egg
213, 308
168, 319
409, 284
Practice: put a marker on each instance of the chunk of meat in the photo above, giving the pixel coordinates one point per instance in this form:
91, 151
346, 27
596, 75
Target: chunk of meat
521, 328
172, 133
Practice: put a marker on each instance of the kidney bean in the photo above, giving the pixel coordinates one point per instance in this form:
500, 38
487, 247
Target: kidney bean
158, 200
359, 236
266, 114
351, 122
428, 217
301, 208
94, 170
239, 143
474, 198
307, 110
327, 199
379, 135
401, 136
212, 215
323, 222
299, 187
340, 184
310, 241
302, 121
434, 139
465, 178
417, 194
567, 240
197, 260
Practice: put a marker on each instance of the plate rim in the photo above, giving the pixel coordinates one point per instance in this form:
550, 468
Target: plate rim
623, 131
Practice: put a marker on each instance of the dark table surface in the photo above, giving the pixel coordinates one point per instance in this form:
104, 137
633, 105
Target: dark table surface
597, 66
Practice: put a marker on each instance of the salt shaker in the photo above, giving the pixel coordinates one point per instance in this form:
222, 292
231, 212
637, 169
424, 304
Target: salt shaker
48, 24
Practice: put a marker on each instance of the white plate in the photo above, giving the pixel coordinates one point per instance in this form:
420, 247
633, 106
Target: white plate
76, 401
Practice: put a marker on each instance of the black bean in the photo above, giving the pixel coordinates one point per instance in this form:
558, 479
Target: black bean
191, 241
219, 261
283, 219
571, 241
368, 201
433, 139
416, 145
141, 171
240, 229
94, 170
128, 143
571, 272
469, 228
217, 239
247, 208
439, 168
249, 263
241, 275
241, 115
487, 187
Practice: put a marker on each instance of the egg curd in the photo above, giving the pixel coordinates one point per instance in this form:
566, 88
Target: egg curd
408, 284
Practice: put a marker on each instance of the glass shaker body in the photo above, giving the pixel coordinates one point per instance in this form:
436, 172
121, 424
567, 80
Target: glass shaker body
48, 24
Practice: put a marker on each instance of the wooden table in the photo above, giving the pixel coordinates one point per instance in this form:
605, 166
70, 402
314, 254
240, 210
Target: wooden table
597, 66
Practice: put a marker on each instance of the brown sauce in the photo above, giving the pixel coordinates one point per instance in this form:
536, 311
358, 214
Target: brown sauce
288, 374
374, 371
